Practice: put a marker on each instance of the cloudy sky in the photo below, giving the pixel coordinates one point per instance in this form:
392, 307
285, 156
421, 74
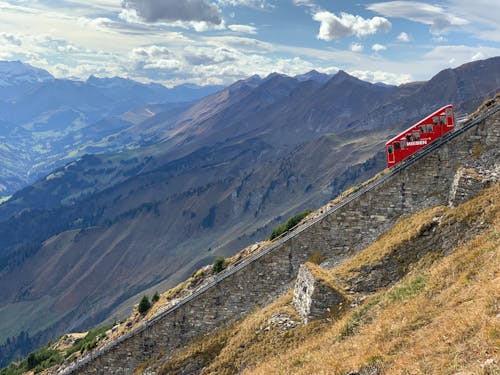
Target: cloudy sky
220, 41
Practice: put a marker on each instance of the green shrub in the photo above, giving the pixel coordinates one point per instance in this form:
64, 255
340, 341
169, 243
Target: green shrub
218, 264
37, 361
89, 341
155, 298
289, 224
144, 305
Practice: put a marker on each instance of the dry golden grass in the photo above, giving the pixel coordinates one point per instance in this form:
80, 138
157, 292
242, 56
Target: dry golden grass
255, 339
449, 326
405, 230
239, 345
324, 276
443, 321
442, 318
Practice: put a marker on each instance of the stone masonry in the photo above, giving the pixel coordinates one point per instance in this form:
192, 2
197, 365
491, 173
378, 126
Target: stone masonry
313, 296
422, 184
466, 184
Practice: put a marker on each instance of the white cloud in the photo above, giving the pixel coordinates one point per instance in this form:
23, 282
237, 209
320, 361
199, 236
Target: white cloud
100, 23
403, 37
460, 54
356, 47
439, 39
243, 44
248, 3
380, 76
334, 27
195, 56
378, 47
245, 29
478, 56
307, 3
439, 18
483, 17
68, 48
10, 39
174, 10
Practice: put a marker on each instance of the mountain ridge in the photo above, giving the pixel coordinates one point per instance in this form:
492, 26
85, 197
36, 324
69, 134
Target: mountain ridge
47, 122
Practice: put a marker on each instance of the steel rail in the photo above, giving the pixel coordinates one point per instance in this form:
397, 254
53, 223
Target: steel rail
285, 237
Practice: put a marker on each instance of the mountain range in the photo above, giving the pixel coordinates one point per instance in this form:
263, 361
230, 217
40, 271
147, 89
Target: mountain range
79, 244
47, 122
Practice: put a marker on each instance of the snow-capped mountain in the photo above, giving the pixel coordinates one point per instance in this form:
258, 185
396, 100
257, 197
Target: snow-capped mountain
14, 73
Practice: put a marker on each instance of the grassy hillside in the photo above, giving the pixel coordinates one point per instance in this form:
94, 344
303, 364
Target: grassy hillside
441, 318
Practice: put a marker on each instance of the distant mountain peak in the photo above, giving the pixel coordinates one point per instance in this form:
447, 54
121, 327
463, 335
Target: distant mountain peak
110, 82
14, 73
313, 75
275, 75
343, 74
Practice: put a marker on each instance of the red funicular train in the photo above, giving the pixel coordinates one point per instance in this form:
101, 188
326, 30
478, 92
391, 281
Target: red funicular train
419, 135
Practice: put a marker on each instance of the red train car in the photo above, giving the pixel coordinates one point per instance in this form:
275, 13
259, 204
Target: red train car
419, 135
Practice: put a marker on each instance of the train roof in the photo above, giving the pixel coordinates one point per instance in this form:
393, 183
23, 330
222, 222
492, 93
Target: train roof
418, 123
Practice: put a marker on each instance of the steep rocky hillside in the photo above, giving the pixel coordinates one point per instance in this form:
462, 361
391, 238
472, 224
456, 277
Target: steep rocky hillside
433, 286
80, 244
441, 317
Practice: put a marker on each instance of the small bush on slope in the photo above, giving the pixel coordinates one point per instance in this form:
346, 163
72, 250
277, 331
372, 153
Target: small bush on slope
144, 305
289, 224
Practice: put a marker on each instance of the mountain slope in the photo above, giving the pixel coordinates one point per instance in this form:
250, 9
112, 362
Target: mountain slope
445, 290
438, 318
84, 240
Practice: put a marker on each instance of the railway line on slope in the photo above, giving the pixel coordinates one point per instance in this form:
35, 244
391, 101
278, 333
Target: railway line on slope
283, 238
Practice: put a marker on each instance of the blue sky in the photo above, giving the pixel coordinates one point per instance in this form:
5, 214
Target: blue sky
220, 41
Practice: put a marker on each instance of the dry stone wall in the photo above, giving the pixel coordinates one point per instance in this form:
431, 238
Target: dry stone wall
313, 297
422, 184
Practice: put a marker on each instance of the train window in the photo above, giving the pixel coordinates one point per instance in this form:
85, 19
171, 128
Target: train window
435, 120
403, 145
396, 146
443, 120
448, 112
409, 137
389, 149
416, 136
423, 129
430, 129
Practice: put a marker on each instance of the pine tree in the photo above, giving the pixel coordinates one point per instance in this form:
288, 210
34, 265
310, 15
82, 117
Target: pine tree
144, 305
155, 297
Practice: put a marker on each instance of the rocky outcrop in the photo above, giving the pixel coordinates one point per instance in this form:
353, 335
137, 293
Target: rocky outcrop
314, 294
468, 182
